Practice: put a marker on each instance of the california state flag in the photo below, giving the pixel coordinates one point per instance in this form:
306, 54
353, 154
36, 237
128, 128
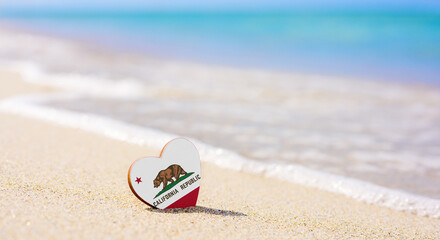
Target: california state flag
171, 180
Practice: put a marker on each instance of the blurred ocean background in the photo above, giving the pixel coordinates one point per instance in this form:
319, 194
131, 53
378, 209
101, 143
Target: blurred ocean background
384, 44
352, 92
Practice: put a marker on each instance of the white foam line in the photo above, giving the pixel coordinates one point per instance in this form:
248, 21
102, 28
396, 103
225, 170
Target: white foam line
30, 106
73, 82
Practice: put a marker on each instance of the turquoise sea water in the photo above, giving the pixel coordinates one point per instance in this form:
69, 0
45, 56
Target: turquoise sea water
400, 45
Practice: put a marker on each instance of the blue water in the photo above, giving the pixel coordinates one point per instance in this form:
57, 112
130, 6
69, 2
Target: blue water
400, 45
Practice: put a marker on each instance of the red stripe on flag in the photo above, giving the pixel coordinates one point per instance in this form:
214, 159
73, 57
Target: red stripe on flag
189, 200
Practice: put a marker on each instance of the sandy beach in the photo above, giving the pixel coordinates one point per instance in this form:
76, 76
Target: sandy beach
59, 182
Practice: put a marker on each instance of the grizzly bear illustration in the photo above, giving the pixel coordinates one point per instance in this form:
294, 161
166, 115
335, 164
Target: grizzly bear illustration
167, 175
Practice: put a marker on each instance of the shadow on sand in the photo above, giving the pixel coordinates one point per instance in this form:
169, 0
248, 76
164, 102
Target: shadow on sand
198, 209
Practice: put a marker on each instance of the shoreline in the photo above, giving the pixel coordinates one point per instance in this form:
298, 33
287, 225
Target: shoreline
381, 195
59, 182
362, 191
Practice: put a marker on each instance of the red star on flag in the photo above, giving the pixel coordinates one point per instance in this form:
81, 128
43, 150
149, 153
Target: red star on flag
138, 180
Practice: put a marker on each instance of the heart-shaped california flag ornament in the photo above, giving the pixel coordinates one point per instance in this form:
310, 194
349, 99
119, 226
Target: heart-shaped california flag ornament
171, 180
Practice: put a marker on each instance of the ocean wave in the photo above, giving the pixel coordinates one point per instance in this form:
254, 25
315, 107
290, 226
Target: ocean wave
74, 82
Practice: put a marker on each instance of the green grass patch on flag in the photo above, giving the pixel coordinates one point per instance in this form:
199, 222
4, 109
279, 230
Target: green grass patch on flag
169, 186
